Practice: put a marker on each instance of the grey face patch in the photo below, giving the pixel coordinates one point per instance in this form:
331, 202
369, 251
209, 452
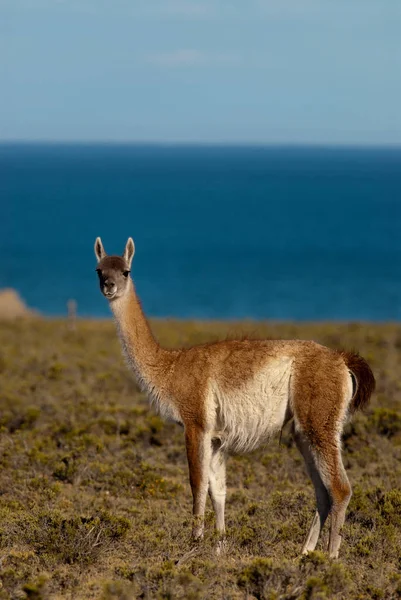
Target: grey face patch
113, 273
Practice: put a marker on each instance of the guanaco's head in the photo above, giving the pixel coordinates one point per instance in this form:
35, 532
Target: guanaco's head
113, 271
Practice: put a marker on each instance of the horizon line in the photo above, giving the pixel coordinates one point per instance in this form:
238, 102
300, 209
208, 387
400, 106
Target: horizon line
222, 144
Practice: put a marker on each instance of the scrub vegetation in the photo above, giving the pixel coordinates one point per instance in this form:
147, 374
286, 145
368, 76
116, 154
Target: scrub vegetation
94, 494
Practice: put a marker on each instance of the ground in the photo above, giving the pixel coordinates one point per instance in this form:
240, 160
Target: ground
94, 493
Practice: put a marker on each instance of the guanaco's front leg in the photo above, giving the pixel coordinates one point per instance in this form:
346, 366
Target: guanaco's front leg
217, 484
217, 490
199, 450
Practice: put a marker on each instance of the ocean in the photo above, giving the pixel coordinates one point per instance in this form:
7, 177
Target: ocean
220, 232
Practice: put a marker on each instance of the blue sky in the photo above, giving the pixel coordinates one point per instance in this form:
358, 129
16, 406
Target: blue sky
257, 71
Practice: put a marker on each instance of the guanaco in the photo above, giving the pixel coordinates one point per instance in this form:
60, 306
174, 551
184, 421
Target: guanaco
232, 396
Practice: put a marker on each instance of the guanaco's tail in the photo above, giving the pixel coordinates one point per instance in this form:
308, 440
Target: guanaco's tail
364, 380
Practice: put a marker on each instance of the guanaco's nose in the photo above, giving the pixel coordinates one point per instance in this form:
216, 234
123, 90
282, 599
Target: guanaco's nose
109, 286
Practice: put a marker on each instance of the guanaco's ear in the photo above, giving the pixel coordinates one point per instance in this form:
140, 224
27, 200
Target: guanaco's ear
129, 251
99, 250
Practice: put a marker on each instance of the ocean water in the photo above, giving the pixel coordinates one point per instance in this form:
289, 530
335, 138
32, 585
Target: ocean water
220, 232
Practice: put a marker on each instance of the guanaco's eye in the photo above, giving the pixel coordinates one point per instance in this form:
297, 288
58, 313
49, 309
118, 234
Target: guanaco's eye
126, 273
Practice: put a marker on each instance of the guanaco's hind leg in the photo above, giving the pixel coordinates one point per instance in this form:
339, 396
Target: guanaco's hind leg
340, 491
199, 451
320, 394
333, 490
323, 500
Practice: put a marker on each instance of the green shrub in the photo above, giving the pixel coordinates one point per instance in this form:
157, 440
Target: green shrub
386, 422
76, 539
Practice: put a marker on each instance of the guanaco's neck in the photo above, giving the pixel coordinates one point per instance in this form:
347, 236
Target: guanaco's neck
151, 363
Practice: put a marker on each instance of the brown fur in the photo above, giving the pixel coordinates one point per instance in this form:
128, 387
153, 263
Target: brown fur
175, 374
112, 263
318, 401
317, 390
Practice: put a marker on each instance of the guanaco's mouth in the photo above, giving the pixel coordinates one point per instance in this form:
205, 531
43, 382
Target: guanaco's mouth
110, 295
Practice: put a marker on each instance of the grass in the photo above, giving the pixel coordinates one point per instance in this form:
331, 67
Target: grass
94, 494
